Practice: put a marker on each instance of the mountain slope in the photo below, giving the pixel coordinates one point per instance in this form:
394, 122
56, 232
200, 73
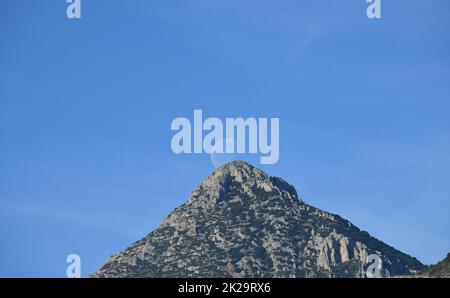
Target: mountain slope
242, 223
441, 269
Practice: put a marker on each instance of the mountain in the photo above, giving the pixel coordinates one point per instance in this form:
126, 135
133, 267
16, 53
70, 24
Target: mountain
240, 222
441, 269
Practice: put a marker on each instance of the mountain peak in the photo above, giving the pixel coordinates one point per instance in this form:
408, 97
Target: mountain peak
239, 170
240, 178
237, 164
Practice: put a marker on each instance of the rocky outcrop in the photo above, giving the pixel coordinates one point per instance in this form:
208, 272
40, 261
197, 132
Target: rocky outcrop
242, 223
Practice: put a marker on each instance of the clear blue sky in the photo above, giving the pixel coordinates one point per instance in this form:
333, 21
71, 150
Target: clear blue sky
86, 107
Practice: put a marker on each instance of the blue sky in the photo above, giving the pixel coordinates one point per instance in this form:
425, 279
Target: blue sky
86, 106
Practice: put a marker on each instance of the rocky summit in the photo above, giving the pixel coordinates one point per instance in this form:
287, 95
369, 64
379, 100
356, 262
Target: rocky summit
240, 222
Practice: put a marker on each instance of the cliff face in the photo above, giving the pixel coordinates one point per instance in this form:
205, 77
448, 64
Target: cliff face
242, 223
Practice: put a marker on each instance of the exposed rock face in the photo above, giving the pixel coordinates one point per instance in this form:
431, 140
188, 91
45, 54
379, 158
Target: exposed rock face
242, 223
